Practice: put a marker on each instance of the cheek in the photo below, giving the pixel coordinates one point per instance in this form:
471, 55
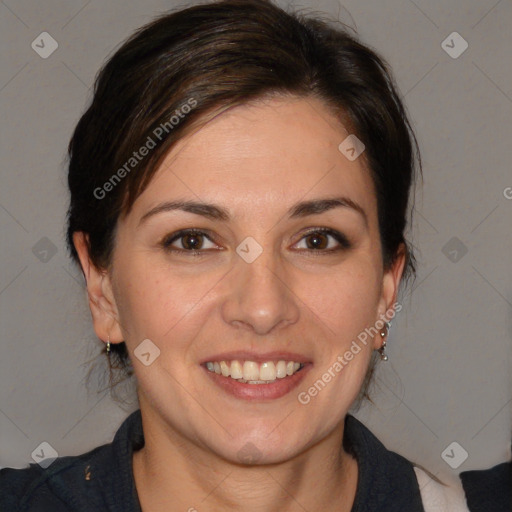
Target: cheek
151, 300
345, 304
345, 299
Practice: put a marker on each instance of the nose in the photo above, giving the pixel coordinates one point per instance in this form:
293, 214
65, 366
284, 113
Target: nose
260, 297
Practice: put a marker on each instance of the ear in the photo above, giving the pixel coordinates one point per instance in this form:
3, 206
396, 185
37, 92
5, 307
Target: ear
103, 307
390, 284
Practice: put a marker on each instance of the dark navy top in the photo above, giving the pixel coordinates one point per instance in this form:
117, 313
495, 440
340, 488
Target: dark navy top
489, 490
102, 479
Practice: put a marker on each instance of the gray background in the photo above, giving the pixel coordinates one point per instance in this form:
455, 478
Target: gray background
448, 378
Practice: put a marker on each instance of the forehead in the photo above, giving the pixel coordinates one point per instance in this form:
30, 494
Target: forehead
267, 155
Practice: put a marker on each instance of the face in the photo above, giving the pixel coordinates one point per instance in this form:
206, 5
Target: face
261, 275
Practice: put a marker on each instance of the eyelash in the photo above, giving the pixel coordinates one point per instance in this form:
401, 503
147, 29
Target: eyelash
339, 237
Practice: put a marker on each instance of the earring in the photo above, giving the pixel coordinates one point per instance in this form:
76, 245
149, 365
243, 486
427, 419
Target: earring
382, 349
108, 345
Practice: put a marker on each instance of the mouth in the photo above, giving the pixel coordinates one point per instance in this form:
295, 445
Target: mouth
251, 377
251, 372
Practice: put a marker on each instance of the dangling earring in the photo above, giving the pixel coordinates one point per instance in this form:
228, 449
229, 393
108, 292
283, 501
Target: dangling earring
382, 349
108, 345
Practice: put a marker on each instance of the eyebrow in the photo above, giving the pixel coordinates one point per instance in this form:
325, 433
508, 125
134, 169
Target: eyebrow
215, 212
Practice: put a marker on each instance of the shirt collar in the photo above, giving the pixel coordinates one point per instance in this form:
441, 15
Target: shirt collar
386, 480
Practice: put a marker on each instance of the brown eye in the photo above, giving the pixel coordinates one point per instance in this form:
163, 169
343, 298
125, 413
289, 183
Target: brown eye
317, 241
320, 240
191, 241
187, 241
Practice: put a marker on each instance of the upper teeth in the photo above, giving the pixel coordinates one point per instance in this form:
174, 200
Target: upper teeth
250, 371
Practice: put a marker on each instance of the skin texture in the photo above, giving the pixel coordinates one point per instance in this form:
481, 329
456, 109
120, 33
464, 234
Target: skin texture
255, 160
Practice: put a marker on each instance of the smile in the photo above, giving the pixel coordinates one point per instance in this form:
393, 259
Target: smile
256, 381
251, 372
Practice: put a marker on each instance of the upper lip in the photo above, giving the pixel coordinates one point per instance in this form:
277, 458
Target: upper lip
244, 355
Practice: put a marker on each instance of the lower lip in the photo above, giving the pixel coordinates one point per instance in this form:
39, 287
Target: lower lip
262, 392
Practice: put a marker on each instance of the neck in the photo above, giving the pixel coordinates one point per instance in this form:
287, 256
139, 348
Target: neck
171, 473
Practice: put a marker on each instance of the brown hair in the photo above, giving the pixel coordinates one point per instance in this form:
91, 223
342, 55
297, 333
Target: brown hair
213, 56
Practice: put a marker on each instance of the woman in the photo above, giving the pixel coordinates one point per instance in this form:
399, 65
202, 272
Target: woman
239, 193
